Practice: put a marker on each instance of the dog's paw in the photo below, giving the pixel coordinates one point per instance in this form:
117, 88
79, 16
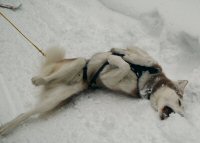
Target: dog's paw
38, 81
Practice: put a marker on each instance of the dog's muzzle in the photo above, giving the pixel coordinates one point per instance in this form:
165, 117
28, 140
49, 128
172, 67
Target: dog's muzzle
166, 111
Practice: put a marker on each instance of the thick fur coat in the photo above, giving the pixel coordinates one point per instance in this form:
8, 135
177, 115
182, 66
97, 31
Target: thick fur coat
130, 71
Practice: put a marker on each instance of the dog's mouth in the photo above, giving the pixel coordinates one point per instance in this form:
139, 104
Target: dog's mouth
166, 111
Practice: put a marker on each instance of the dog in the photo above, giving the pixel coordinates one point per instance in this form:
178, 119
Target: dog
131, 71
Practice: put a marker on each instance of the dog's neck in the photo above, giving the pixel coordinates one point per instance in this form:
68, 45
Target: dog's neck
150, 83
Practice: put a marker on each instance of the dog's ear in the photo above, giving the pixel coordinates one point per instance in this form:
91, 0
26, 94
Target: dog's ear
181, 84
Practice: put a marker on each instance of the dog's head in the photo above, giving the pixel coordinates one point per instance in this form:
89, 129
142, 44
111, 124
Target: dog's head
168, 100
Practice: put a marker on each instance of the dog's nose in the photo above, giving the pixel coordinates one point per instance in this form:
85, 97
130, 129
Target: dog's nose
165, 112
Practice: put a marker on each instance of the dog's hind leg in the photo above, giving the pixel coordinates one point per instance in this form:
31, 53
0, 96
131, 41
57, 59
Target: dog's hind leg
62, 71
48, 104
47, 70
67, 71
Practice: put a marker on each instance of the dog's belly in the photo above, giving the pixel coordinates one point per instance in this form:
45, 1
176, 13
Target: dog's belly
127, 85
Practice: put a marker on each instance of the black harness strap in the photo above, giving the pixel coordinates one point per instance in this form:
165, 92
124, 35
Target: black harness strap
137, 69
85, 78
92, 83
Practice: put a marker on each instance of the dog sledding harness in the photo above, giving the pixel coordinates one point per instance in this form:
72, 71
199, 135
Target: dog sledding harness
137, 69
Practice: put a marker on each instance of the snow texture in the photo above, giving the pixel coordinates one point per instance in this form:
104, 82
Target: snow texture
169, 30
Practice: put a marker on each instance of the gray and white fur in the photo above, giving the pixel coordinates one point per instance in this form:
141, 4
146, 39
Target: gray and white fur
62, 78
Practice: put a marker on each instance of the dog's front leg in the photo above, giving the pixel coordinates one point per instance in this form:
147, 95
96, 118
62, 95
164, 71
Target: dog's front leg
111, 77
139, 60
118, 51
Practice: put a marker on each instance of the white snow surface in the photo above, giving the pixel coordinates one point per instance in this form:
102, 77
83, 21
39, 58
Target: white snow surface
169, 30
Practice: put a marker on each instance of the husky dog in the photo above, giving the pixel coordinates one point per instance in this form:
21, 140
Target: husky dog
131, 71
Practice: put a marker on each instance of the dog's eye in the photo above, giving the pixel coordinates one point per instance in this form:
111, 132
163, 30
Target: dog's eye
179, 102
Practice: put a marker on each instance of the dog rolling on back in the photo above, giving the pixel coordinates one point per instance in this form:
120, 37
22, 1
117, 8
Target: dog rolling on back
131, 71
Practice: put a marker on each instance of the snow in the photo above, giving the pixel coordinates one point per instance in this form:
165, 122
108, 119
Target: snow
168, 30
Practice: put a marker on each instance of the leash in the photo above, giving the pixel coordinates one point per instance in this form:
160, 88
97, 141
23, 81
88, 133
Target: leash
36, 47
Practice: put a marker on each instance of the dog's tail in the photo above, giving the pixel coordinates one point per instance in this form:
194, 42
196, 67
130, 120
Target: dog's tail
54, 54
